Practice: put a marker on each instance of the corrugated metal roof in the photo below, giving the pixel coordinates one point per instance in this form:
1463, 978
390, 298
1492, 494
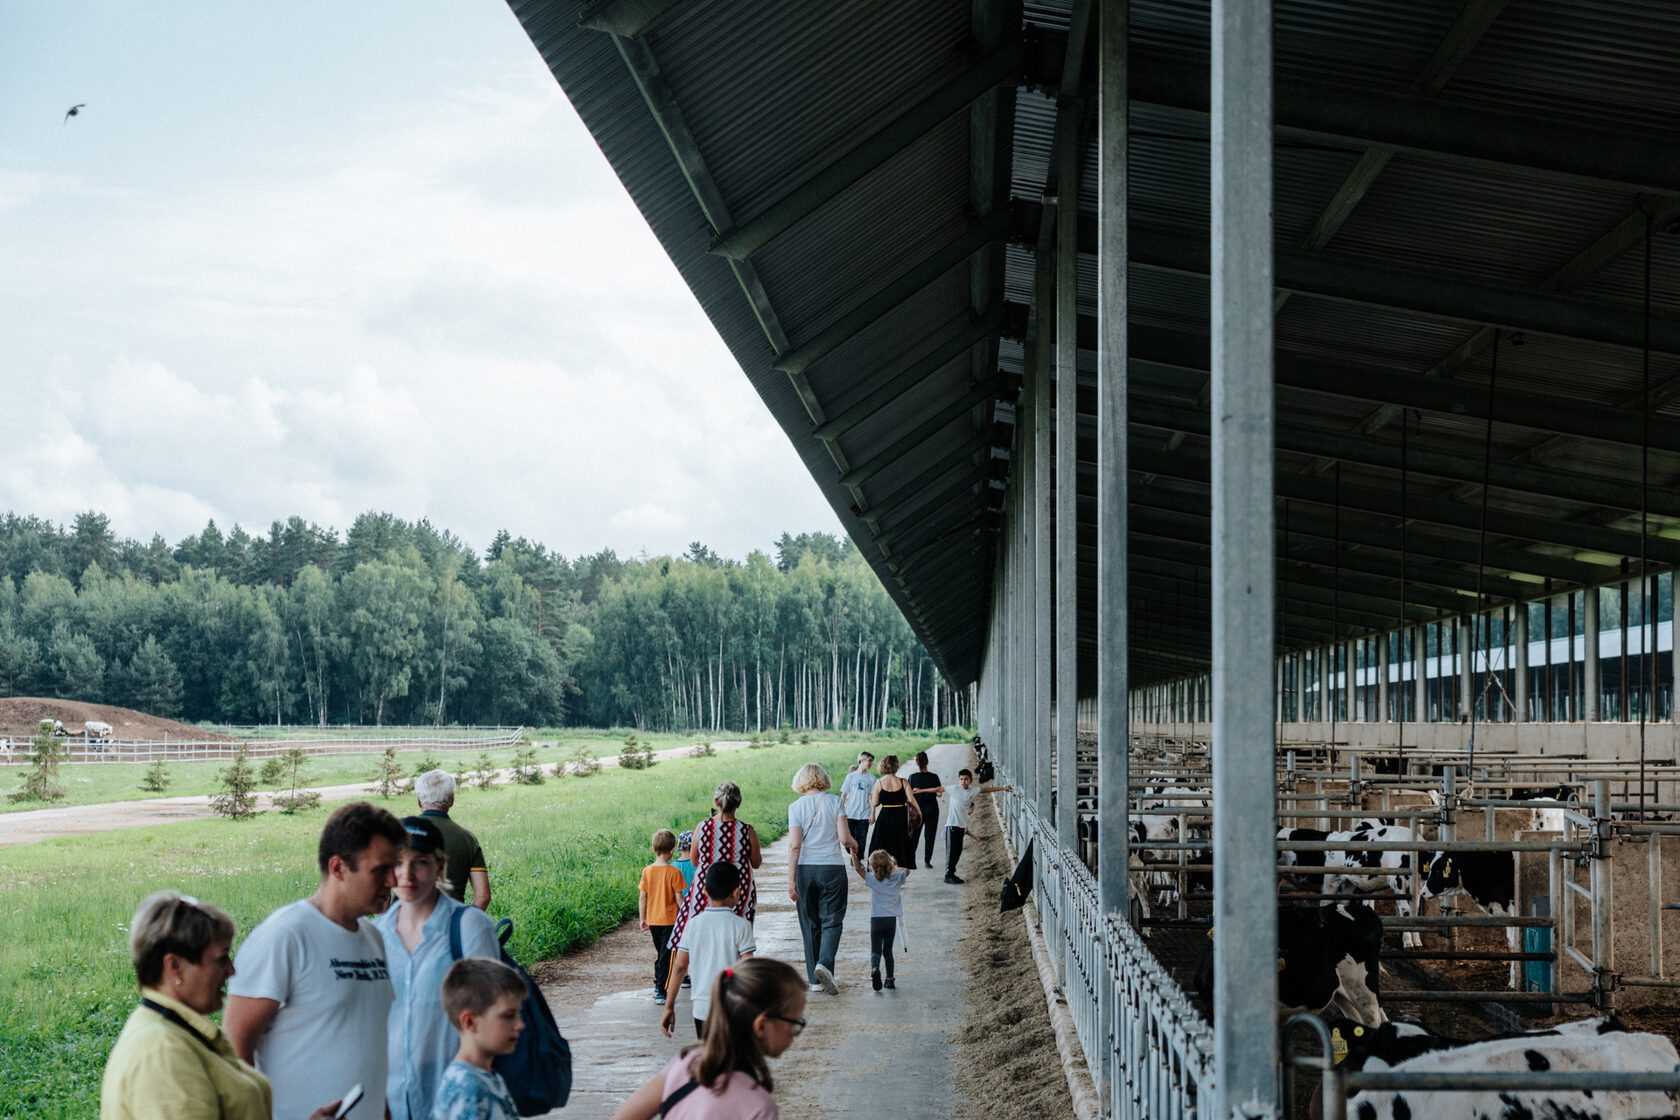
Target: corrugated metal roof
771, 94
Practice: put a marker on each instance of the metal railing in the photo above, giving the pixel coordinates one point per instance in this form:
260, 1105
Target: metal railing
222, 750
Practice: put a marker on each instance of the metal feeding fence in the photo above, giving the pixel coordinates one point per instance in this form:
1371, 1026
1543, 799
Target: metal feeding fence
17, 751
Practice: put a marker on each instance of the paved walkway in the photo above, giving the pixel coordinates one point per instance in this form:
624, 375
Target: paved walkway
864, 1054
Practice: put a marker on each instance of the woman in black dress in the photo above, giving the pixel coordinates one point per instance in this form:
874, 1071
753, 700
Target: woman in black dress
926, 788
889, 812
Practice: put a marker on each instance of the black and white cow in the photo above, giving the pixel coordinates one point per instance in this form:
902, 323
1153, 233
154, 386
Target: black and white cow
1592, 1044
1364, 832
1327, 962
1490, 880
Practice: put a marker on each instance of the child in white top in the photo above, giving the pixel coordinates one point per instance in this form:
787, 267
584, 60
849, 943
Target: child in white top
713, 941
885, 881
482, 998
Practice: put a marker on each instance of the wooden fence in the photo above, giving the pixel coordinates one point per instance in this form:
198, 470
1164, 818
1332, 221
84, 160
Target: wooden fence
16, 750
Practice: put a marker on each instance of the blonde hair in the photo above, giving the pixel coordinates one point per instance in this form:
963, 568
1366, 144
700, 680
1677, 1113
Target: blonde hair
882, 863
811, 777
171, 922
889, 765
664, 842
740, 994
727, 796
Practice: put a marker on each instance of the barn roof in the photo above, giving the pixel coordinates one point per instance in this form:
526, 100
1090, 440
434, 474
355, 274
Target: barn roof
1476, 203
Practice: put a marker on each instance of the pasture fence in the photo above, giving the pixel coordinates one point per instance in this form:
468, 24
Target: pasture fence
16, 751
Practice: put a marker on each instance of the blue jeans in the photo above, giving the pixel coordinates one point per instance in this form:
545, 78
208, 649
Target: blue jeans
822, 912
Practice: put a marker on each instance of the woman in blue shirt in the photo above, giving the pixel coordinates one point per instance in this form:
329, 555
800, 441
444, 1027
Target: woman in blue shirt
420, 1038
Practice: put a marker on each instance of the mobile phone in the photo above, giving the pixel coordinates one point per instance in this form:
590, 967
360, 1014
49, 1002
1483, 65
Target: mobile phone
349, 1102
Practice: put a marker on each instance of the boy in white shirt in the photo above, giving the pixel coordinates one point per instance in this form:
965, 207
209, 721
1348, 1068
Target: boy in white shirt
713, 940
956, 821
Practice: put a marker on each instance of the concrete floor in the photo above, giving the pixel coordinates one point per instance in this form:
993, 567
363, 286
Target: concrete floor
865, 1053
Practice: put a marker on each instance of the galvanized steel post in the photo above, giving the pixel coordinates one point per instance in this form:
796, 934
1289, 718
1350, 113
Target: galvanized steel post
1244, 589
1589, 664
1519, 661
1044, 608
1113, 670
1067, 500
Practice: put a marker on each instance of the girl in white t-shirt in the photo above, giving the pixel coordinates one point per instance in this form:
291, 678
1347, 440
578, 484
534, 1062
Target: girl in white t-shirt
756, 1013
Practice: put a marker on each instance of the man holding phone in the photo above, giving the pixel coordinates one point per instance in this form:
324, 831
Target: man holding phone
309, 1002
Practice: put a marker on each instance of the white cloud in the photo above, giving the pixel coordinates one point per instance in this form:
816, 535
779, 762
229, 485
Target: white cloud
453, 313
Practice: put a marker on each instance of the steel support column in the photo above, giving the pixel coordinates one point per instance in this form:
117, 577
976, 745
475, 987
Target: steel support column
1519, 660
1465, 627
1044, 607
1589, 666
1382, 715
1067, 498
1245, 1044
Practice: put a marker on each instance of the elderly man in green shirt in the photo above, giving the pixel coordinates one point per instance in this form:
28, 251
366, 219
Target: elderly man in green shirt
464, 862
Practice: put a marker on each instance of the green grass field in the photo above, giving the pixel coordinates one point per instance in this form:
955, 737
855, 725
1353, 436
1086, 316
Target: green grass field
564, 862
94, 783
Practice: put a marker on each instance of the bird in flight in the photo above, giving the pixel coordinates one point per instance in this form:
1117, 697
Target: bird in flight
74, 109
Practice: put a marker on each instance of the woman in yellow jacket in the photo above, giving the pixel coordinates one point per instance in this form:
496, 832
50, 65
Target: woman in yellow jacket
171, 1062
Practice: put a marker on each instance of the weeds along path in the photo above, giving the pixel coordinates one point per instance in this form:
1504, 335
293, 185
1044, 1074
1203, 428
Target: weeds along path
34, 825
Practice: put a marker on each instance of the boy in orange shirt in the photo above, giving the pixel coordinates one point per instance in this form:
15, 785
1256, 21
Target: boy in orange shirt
658, 898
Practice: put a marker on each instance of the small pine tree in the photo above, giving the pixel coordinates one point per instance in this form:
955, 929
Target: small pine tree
387, 776
583, 761
755, 742
527, 771
40, 782
426, 764
238, 798
631, 757
273, 772
785, 736
296, 798
805, 740
647, 754
156, 779
484, 774
703, 750
559, 769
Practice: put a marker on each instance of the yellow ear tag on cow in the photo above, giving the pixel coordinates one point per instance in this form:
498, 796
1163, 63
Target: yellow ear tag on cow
1359, 1032
1338, 1045
1210, 933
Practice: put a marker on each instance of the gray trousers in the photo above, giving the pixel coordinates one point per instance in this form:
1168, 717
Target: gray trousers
822, 912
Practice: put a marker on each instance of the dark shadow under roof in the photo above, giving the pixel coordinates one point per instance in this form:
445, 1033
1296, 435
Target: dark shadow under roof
855, 191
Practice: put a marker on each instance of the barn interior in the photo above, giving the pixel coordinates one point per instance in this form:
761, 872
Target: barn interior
1274, 401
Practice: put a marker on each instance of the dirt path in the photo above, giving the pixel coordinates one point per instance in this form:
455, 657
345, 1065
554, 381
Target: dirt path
35, 825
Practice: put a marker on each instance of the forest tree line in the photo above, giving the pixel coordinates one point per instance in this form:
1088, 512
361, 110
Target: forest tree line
396, 622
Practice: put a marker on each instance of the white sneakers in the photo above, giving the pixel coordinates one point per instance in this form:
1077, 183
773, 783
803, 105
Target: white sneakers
825, 980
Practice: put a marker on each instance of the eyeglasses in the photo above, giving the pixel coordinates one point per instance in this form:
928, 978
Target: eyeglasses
798, 1025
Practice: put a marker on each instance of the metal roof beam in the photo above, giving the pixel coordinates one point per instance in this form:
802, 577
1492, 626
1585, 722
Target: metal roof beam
918, 435
896, 386
1313, 529
993, 227
1194, 467
995, 66
1350, 448
628, 18
1426, 125
910, 494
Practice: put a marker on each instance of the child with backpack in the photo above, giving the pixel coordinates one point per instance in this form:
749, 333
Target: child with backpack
482, 999
885, 881
755, 1012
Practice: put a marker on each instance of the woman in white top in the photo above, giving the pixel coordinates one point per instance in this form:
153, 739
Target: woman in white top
820, 846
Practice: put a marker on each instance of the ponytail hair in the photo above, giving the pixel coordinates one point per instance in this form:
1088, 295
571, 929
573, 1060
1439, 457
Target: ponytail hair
753, 987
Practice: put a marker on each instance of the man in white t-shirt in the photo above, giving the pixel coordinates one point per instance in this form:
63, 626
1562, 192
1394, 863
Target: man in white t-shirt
962, 797
713, 941
855, 789
309, 1002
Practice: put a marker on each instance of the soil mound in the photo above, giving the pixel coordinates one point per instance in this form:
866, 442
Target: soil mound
20, 714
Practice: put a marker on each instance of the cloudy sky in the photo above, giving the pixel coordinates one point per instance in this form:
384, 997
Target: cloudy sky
320, 258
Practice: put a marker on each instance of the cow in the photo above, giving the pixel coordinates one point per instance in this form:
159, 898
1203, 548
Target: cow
1490, 879
1590, 1044
1364, 832
1327, 961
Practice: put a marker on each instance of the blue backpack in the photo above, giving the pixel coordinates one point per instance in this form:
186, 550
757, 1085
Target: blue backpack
539, 1071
